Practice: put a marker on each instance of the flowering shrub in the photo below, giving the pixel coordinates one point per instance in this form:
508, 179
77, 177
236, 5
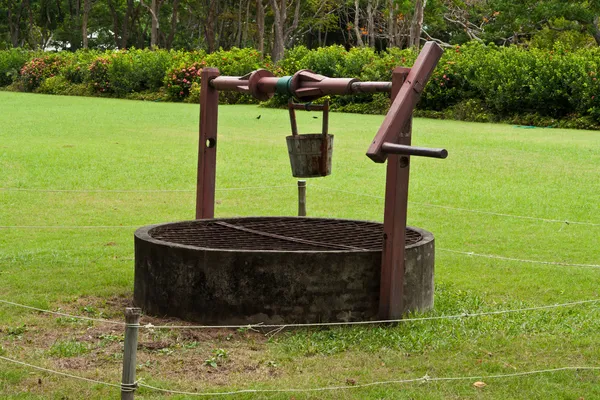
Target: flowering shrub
474, 81
98, 74
38, 69
179, 80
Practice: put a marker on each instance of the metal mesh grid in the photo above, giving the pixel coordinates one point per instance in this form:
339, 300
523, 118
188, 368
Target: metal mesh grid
282, 234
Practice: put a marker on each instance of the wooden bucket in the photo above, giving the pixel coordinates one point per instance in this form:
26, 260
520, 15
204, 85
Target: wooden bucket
310, 154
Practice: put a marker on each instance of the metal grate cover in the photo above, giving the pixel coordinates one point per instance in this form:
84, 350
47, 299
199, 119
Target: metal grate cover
278, 234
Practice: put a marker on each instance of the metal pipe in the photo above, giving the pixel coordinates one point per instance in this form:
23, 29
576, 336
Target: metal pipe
371, 87
306, 85
393, 148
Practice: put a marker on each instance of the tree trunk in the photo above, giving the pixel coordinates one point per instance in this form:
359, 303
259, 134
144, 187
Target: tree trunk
246, 24
238, 33
154, 31
209, 25
260, 25
391, 23
125, 29
289, 33
370, 23
87, 7
174, 16
596, 32
14, 22
417, 24
359, 41
279, 16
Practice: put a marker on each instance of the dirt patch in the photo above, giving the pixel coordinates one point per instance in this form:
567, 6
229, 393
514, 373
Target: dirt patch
75, 363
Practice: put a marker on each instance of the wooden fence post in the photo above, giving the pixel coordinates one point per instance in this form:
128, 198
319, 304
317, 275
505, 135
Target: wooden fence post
132, 320
302, 198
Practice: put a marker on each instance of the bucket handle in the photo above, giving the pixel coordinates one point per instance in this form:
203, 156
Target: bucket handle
324, 130
309, 107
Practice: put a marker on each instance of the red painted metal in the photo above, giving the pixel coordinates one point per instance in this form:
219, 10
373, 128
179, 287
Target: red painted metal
393, 148
207, 146
404, 103
307, 85
392, 142
391, 288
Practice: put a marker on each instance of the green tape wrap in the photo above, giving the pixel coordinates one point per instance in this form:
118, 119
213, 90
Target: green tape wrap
283, 85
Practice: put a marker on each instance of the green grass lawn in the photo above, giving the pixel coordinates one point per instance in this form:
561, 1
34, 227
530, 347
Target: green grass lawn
122, 164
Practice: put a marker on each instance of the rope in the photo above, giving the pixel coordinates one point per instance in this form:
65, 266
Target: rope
131, 387
81, 378
260, 325
518, 259
105, 321
69, 226
424, 379
138, 190
562, 221
456, 316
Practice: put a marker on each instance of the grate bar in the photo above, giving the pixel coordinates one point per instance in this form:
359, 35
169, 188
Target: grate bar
289, 239
279, 233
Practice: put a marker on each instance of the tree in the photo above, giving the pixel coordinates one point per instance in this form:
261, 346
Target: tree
281, 29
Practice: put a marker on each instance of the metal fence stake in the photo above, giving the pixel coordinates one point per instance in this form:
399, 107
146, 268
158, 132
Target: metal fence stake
132, 320
302, 198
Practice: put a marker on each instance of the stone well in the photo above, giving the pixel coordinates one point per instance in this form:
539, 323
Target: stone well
273, 270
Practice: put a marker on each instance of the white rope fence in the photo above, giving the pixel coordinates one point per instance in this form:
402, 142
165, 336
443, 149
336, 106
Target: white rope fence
81, 378
62, 314
69, 226
308, 325
140, 190
424, 379
518, 259
563, 221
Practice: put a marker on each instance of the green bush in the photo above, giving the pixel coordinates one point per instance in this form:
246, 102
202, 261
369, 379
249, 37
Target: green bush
237, 62
11, 62
474, 82
137, 70
77, 66
329, 61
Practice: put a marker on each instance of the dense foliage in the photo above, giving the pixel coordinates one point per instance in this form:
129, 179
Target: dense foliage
472, 82
270, 26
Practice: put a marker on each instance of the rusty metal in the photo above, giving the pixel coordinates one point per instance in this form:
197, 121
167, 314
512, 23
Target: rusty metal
392, 148
290, 239
293, 123
207, 146
371, 87
278, 233
404, 103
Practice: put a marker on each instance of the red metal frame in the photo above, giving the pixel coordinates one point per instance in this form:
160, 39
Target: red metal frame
392, 142
404, 103
207, 146
391, 289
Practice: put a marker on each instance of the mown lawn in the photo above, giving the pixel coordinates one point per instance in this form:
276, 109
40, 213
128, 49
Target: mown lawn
68, 164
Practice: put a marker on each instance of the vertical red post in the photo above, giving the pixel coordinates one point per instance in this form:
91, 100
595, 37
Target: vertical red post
207, 147
394, 220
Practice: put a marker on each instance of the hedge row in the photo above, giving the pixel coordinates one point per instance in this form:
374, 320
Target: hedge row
472, 82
